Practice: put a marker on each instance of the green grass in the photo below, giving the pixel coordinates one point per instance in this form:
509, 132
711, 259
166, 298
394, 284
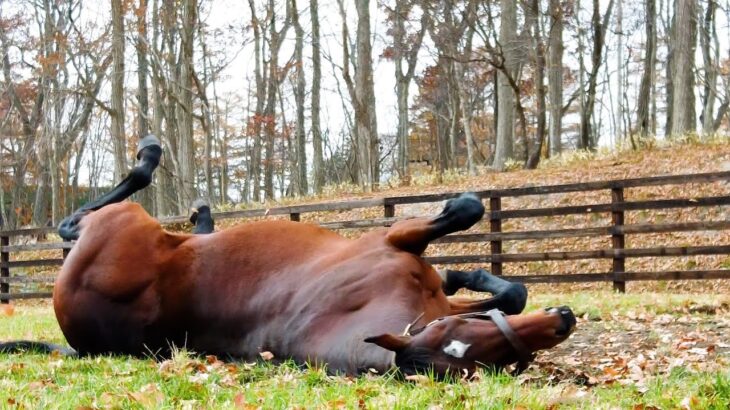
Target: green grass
188, 381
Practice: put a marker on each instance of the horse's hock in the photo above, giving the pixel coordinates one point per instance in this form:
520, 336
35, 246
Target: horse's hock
613, 230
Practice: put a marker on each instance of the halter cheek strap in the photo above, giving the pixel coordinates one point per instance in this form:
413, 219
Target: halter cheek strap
524, 354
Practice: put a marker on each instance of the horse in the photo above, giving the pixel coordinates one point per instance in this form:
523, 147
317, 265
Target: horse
294, 289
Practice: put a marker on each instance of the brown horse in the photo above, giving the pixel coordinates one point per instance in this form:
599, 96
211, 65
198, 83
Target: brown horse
295, 289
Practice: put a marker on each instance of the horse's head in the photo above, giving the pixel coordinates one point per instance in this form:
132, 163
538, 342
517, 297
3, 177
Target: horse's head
456, 344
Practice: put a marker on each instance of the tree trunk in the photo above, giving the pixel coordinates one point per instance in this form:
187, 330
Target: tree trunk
318, 180
255, 161
683, 100
710, 57
406, 52
299, 90
643, 115
505, 127
555, 76
539, 79
587, 139
186, 146
117, 97
365, 116
145, 196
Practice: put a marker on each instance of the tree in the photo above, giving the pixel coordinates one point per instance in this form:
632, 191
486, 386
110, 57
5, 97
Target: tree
117, 98
538, 47
599, 25
685, 39
362, 95
318, 158
404, 52
300, 163
647, 76
505, 120
710, 55
143, 106
555, 75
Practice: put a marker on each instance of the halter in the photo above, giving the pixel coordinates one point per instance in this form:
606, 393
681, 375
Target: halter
498, 318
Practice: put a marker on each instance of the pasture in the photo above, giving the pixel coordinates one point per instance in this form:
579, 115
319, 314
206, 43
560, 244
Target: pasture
641, 351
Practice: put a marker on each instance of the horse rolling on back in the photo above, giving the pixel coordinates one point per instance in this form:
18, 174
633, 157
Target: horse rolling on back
295, 289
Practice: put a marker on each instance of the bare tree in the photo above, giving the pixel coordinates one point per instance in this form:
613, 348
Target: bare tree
404, 51
685, 39
647, 76
362, 95
710, 56
555, 75
599, 25
117, 98
143, 106
505, 122
275, 77
318, 159
300, 176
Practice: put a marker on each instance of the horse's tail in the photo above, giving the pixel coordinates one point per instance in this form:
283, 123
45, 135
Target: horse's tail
20, 346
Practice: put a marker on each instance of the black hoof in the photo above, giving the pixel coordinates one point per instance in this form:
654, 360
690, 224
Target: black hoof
148, 141
513, 299
201, 217
463, 211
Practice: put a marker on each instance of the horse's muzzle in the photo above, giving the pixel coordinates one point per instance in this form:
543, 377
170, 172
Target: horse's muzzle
567, 317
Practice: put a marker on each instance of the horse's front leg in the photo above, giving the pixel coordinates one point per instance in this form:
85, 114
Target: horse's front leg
414, 235
509, 297
149, 154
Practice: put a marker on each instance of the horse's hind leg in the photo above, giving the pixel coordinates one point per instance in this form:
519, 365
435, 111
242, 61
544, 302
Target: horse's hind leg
149, 154
509, 297
414, 235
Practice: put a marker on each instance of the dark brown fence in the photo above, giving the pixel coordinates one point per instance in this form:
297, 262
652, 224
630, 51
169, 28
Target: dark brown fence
617, 230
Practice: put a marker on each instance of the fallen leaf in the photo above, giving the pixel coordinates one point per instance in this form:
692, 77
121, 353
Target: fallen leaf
239, 402
7, 310
689, 403
418, 378
148, 396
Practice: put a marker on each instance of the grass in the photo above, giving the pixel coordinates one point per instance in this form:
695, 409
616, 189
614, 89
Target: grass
189, 381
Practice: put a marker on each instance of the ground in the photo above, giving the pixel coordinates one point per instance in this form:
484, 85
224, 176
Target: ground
642, 351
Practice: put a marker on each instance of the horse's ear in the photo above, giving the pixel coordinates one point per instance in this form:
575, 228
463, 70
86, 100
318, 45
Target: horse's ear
390, 342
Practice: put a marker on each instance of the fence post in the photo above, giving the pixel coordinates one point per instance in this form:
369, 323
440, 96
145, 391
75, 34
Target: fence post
388, 210
495, 226
4, 269
65, 249
618, 241
294, 216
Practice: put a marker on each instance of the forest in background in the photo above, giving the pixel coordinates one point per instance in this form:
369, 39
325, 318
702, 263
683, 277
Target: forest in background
476, 84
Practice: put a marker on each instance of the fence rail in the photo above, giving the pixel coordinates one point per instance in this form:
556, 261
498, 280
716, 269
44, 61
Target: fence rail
617, 231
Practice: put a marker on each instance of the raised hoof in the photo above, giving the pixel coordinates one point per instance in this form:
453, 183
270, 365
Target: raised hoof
201, 217
464, 211
148, 141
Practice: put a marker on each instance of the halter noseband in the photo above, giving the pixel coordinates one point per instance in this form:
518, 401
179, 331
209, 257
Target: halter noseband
498, 318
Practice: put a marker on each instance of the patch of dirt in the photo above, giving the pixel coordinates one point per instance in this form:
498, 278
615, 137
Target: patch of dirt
633, 348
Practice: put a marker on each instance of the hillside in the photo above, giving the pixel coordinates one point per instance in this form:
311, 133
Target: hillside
678, 158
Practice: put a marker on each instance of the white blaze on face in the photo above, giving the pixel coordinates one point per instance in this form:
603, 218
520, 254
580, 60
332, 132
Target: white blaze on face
456, 349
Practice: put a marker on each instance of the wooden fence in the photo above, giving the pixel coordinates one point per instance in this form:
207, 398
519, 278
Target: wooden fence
617, 230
